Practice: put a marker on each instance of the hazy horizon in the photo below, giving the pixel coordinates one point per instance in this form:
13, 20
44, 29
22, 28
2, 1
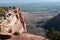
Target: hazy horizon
27, 1
33, 5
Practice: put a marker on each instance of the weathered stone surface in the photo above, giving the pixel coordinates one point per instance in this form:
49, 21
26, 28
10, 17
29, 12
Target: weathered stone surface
26, 36
14, 21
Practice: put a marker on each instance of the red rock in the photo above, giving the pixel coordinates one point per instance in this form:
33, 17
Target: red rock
26, 36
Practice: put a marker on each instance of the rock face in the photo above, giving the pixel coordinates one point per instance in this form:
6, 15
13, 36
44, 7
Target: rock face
14, 22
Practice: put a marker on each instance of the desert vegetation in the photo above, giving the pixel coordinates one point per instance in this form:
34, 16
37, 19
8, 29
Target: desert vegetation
16, 33
2, 11
53, 35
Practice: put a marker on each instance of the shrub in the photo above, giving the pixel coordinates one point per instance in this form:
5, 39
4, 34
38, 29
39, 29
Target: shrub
2, 12
16, 33
0, 28
53, 35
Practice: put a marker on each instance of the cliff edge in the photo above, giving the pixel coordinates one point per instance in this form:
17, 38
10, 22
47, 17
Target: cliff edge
14, 22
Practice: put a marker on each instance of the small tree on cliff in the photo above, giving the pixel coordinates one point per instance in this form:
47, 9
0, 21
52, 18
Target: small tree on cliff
53, 35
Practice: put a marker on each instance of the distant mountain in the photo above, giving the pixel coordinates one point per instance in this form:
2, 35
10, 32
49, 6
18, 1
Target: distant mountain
54, 22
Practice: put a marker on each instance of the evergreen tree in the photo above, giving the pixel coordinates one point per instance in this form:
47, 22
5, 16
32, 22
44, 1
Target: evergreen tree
53, 35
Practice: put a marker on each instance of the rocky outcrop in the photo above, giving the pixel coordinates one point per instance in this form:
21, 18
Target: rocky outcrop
14, 22
26, 36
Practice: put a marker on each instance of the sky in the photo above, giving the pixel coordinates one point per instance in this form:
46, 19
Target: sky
27, 1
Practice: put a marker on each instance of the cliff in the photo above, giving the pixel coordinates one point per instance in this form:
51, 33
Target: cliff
14, 22
53, 23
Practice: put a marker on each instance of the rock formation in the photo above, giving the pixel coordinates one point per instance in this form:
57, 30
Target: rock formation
14, 21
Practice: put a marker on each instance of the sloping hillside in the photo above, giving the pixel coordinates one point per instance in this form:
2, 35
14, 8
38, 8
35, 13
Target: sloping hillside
54, 22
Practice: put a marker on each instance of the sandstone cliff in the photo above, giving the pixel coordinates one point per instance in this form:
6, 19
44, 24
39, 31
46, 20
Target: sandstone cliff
14, 22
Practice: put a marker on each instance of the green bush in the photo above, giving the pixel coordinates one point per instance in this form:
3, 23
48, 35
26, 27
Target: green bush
16, 33
2, 12
0, 28
53, 35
